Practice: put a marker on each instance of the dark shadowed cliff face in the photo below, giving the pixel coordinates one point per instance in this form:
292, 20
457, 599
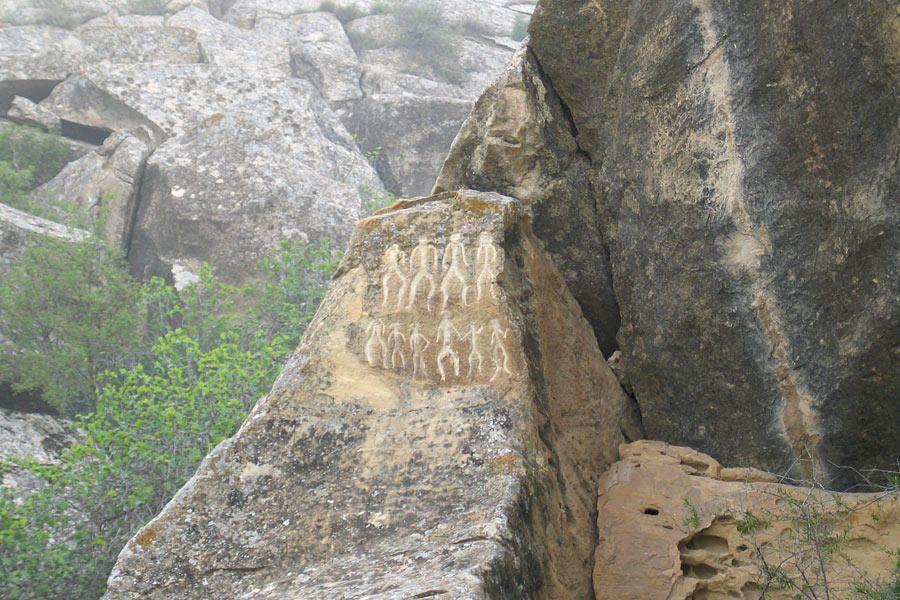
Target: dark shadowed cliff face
743, 166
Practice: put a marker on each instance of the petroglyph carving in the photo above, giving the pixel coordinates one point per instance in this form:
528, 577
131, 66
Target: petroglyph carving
376, 349
393, 272
418, 343
455, 267
474, 357
423, 261
498, 349
487, 265
397, 342
446, 333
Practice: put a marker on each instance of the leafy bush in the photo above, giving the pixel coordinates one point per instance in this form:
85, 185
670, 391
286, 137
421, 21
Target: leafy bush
27, 159
69, 309
155, 419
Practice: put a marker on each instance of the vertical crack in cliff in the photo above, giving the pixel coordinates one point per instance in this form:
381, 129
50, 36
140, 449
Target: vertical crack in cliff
744, 251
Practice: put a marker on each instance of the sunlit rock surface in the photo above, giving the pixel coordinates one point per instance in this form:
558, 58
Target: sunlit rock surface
676, 525
439, 432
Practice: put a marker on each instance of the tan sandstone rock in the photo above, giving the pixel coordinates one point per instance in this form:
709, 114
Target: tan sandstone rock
438, 433
676, 525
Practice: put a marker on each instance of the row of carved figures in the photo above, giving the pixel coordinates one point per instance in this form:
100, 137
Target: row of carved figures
403, 279
390, 346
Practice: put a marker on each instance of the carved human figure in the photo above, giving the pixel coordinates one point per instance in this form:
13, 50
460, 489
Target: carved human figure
376, 348
498, 349
475, 358
418, 343
423, 262
396, 341
393, 271
487, 265
455, 268
446, 334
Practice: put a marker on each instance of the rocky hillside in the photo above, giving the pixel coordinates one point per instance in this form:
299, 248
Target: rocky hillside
672, 220
209, 131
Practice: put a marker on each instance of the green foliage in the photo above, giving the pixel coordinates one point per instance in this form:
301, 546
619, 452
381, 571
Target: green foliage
295, 282
520, 28
692, 518
68, 307
155, 418
811, 549
27, 159
750, 524
26, 150
373, 201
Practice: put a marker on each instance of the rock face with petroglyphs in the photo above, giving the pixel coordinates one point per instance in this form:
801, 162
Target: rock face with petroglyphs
738, 163
674, 524
439, 432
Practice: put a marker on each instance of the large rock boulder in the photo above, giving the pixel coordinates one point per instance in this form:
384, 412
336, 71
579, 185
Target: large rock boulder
519, 141
742, 166
407, 137
103, 184
18, 230
227, 191
439, 432
33, 59
674, 525
30, 436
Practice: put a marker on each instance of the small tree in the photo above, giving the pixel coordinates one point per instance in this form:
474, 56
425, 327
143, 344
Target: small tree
69, 309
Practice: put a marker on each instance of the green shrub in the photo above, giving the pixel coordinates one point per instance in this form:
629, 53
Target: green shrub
69, 309
27, 159
154, 418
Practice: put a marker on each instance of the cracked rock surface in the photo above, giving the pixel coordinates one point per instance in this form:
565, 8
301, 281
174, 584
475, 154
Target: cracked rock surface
438, 432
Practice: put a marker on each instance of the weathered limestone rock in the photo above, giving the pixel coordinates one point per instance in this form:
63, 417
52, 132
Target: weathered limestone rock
408, 137
33, 59
438, 433
742, 163
321, 53
227, 191
226, 45
25, 435
518, 141
19, 229
26, 112
104, 184
676, 525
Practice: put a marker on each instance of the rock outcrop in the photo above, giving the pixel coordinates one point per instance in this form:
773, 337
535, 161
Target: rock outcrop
675, 525
42, 438
103, 184
18, 230
741, 163
438, 433
308, 96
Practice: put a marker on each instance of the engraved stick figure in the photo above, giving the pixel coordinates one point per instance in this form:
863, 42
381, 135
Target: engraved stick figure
393, 257
396, 341
474, 352
487, 264
446, 333
498, 350
375, 346
423, 261
418, 343
454, 265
